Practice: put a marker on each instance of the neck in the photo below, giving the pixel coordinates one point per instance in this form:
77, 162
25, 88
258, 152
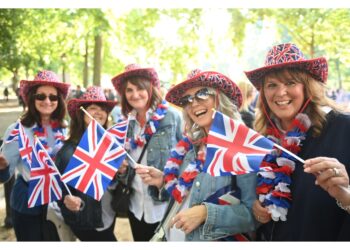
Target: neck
141, 117
285, 124
45, 120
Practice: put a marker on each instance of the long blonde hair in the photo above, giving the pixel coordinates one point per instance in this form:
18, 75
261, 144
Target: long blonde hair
224, 105
313, 89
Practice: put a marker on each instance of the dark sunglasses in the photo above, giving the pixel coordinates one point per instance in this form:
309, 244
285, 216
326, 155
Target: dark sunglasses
42, 97
200, 95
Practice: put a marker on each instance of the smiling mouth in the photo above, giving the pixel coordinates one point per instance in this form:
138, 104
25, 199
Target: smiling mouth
200, 112
283, 103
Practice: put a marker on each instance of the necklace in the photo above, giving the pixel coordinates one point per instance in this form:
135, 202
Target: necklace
273, 187
41, 133
151, 127
179, 187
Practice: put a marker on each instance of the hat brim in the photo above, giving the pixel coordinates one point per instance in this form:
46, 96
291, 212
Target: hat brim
74, 104
148, 73
25, 87
317, 68
206, 79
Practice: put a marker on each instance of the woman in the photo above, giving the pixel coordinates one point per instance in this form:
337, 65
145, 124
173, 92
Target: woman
44, 118
154, 128
90, 220
299, 202
199, 219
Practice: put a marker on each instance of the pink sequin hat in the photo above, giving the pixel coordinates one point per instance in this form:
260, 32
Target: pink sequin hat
93, 94
44, 77
135, 70
288, 55
215, 80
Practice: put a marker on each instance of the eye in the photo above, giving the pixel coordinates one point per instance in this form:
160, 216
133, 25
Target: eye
291, 83
270, 85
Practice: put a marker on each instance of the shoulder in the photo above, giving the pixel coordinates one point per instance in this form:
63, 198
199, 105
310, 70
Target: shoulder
341, 119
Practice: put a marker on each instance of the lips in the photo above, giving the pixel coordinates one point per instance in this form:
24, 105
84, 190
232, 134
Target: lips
283, 103
200, 112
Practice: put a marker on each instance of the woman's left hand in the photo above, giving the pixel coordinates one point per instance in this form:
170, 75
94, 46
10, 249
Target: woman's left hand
330, 174
189, 219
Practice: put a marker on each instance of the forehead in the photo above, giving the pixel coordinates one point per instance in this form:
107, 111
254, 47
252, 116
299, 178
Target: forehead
192, 91
47, 89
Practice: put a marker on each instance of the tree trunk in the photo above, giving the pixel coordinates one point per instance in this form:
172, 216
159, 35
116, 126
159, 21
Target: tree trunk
97, 60
15, 79
86, 63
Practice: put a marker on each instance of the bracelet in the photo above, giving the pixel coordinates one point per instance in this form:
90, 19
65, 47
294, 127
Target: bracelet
346, 208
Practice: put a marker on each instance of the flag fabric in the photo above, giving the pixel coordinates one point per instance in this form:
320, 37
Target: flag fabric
13, 136
44, 183
233, 148
119, 130
94, 162
25, 149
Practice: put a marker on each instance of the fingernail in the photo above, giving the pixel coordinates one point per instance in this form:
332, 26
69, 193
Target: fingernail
307, 169
316, 182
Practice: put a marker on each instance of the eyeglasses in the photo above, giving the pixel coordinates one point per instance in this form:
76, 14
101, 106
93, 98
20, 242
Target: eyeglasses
42, 97
200, 95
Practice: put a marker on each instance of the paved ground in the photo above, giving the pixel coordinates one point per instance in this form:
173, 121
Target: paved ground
9, 113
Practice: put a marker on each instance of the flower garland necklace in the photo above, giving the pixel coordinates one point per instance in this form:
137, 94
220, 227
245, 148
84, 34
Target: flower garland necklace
273, 187
179, 187
41, 133
151, 127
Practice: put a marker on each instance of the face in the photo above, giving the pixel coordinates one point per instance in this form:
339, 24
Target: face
46, 100
285, 99
200, 106
136, 97
98, 113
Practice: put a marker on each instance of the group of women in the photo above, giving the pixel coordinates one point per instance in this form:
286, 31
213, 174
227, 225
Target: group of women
296, 201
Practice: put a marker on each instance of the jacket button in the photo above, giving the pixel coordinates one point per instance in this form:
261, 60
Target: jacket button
162, 133
198, 183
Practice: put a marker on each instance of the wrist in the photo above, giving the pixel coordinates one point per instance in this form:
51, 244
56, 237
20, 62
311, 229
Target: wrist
345, 203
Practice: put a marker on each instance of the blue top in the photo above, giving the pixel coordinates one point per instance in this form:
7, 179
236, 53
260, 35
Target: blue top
314, 214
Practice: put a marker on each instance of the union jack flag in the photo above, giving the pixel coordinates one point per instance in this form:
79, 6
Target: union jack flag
25, 149
233, 148
44, 183
13, 136
119, 130
94, 162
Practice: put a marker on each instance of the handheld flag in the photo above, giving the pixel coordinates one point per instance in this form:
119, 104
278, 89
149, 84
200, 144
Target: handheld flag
25, 149
13, 136
44, 183
233, 148
94, 162
119, 130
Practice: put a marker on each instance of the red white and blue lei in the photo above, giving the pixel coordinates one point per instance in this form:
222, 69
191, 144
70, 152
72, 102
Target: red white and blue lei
179, 187
151, 127
274, 187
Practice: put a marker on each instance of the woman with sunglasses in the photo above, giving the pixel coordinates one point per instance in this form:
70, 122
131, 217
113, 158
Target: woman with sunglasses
199, 219
301, 201
154, 128
44, 118
90, 220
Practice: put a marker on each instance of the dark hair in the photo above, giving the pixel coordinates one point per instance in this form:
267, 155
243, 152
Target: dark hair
32, 115
77, 125
142, 83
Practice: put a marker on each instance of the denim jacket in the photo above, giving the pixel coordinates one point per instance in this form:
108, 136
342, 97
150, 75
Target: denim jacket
163, 140
222, 220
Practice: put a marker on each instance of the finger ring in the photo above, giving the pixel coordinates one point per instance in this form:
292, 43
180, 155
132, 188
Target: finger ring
336, 172
258, 218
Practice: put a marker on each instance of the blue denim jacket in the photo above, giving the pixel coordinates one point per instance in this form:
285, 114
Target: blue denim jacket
167, 135
221, 220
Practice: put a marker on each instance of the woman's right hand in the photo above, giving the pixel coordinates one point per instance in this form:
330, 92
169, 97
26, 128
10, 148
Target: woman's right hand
3, 162
261, 213
73, 203
150, 175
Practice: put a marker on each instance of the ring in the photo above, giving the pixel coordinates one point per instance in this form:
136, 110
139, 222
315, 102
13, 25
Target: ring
336, 172
258, 218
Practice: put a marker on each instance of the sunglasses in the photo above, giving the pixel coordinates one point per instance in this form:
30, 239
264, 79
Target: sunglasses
200, 95
42, 97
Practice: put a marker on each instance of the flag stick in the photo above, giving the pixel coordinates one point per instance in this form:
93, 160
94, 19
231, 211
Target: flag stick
41, 145
290, 153
115, 140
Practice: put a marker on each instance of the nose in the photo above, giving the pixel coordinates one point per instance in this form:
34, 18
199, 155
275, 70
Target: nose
282, 90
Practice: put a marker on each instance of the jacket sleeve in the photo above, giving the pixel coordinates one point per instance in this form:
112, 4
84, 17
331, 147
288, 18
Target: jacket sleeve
228, 220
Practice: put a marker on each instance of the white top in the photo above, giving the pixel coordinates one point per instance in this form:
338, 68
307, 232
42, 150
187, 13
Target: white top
141, 203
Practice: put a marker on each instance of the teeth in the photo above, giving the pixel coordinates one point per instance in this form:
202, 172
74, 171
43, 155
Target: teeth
200, 112
283, 103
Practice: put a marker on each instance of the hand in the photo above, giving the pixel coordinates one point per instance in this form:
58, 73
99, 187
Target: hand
123, 167
261, 213
150, 175
73, 203
3, 162
189, 219
331, 175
